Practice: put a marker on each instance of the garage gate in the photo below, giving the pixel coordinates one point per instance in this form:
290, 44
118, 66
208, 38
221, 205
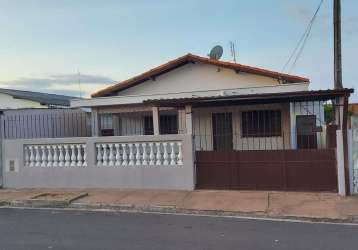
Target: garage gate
292, 170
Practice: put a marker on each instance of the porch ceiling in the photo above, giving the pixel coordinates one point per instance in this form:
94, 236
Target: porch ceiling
317, 95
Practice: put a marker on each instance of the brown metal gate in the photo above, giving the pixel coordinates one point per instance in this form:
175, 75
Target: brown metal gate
294, 170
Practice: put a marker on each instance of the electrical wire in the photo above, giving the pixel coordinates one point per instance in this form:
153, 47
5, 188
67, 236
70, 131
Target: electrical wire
302, 41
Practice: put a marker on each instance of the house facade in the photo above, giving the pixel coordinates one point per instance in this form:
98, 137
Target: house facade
196, 122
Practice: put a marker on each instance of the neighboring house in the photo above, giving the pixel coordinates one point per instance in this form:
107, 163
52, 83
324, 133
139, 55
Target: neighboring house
196, 122
19, 99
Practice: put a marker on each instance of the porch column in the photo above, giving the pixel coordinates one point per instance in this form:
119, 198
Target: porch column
95, 122
188, 120
155, 111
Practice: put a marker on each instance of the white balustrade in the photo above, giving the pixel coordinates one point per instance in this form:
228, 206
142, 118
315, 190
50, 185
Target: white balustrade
166, 153
118, 155
104, 155
67, 156
159, 154
111, 155
55, 155
144, 154
49, 156
139, 154
131, 155
55, 148
37, 157
151, 155
32, 155
125, 157
79, 155
172, 154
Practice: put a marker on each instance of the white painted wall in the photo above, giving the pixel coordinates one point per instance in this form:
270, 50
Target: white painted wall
199, 77
8, 102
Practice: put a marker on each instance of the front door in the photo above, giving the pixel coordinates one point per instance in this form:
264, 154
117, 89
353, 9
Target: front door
306, 131
222, 131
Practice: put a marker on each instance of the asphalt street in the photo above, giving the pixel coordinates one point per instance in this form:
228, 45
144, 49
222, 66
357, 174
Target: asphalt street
60, 229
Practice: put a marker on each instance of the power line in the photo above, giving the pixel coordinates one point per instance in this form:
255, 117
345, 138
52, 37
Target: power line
302, 41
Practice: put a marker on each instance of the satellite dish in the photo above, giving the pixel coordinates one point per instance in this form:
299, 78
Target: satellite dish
216, 52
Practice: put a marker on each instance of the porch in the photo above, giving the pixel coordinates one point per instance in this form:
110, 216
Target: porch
282, 141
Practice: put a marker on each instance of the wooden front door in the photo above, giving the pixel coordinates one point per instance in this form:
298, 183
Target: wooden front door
222, 131
306, 131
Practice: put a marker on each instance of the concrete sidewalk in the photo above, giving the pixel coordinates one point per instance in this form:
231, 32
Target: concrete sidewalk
322, 206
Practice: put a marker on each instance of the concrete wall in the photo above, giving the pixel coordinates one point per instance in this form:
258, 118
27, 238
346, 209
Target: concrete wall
156, 177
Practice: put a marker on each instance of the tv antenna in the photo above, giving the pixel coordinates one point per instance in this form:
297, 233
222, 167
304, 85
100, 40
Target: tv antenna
79, 82
233, 50
216, 52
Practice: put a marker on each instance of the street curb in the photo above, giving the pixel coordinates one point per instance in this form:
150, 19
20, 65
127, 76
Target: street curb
175, 210
166, 210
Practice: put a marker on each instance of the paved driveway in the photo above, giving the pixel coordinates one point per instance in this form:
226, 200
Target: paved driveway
60, 229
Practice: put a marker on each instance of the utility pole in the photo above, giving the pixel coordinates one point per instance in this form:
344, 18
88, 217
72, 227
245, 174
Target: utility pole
337, 45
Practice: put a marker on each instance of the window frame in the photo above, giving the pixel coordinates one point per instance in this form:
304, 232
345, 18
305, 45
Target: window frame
261, 132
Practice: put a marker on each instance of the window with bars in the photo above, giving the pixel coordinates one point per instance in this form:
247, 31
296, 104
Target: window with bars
168, 124
148, 125
261, 123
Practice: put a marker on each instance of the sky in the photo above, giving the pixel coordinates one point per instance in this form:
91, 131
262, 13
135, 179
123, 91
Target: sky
45, 43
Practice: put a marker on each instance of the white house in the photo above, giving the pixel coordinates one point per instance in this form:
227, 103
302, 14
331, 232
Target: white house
196, 122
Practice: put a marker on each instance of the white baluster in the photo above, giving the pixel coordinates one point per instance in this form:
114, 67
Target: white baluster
125, 157
180, 153
61, 158
79, 155
73, 156
99, 155
27, 156
165, 154
137, 155
32, 157
158, 155
151, 154
84, 164
172, 154
55, 156
131, 154
144, 154
67, 156
105, 156
118, 155
37, 157
111, 155
49, 156
43, 156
